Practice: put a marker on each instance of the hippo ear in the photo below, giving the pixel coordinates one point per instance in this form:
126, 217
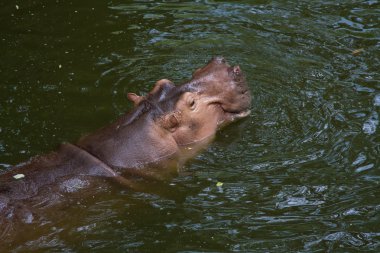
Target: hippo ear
171, 121
136, 99
196, 72
162, 85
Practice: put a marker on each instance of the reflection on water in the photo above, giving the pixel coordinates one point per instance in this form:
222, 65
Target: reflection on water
300, 174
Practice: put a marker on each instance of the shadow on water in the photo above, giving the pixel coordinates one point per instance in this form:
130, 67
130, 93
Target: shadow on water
301, 174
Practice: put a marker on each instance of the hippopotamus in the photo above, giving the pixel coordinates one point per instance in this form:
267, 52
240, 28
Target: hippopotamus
164, 129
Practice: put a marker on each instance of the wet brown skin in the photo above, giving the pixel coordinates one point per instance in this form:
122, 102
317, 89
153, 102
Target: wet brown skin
165, 128
171, 117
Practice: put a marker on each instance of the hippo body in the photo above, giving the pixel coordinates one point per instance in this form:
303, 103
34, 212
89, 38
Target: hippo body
164, 129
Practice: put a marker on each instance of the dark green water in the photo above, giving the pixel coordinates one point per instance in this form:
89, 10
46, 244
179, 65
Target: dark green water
301, 174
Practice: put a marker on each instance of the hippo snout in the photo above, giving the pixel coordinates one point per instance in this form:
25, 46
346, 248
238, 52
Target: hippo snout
225, 85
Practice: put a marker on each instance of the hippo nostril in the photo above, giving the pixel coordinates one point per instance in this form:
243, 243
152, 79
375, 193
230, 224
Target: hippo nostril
220, 59
236, 70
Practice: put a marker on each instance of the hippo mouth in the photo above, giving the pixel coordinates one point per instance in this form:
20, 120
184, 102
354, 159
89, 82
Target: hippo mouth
232, 115
242, 114
242, 110
237, 114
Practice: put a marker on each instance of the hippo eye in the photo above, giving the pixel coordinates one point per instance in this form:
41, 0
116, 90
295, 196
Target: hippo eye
192, 104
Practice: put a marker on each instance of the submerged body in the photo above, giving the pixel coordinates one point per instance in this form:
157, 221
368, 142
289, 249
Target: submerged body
165, 128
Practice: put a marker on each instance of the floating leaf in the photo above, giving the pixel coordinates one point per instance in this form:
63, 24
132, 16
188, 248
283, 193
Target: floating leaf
357, 51
18, 176
219, 184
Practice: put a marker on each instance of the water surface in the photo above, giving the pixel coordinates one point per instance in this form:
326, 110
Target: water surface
301, 174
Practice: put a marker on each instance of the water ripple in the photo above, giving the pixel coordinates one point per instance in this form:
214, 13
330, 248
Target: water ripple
301, 174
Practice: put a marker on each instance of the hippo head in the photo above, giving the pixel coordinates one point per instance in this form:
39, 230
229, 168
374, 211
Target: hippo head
171, 118
216, 95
